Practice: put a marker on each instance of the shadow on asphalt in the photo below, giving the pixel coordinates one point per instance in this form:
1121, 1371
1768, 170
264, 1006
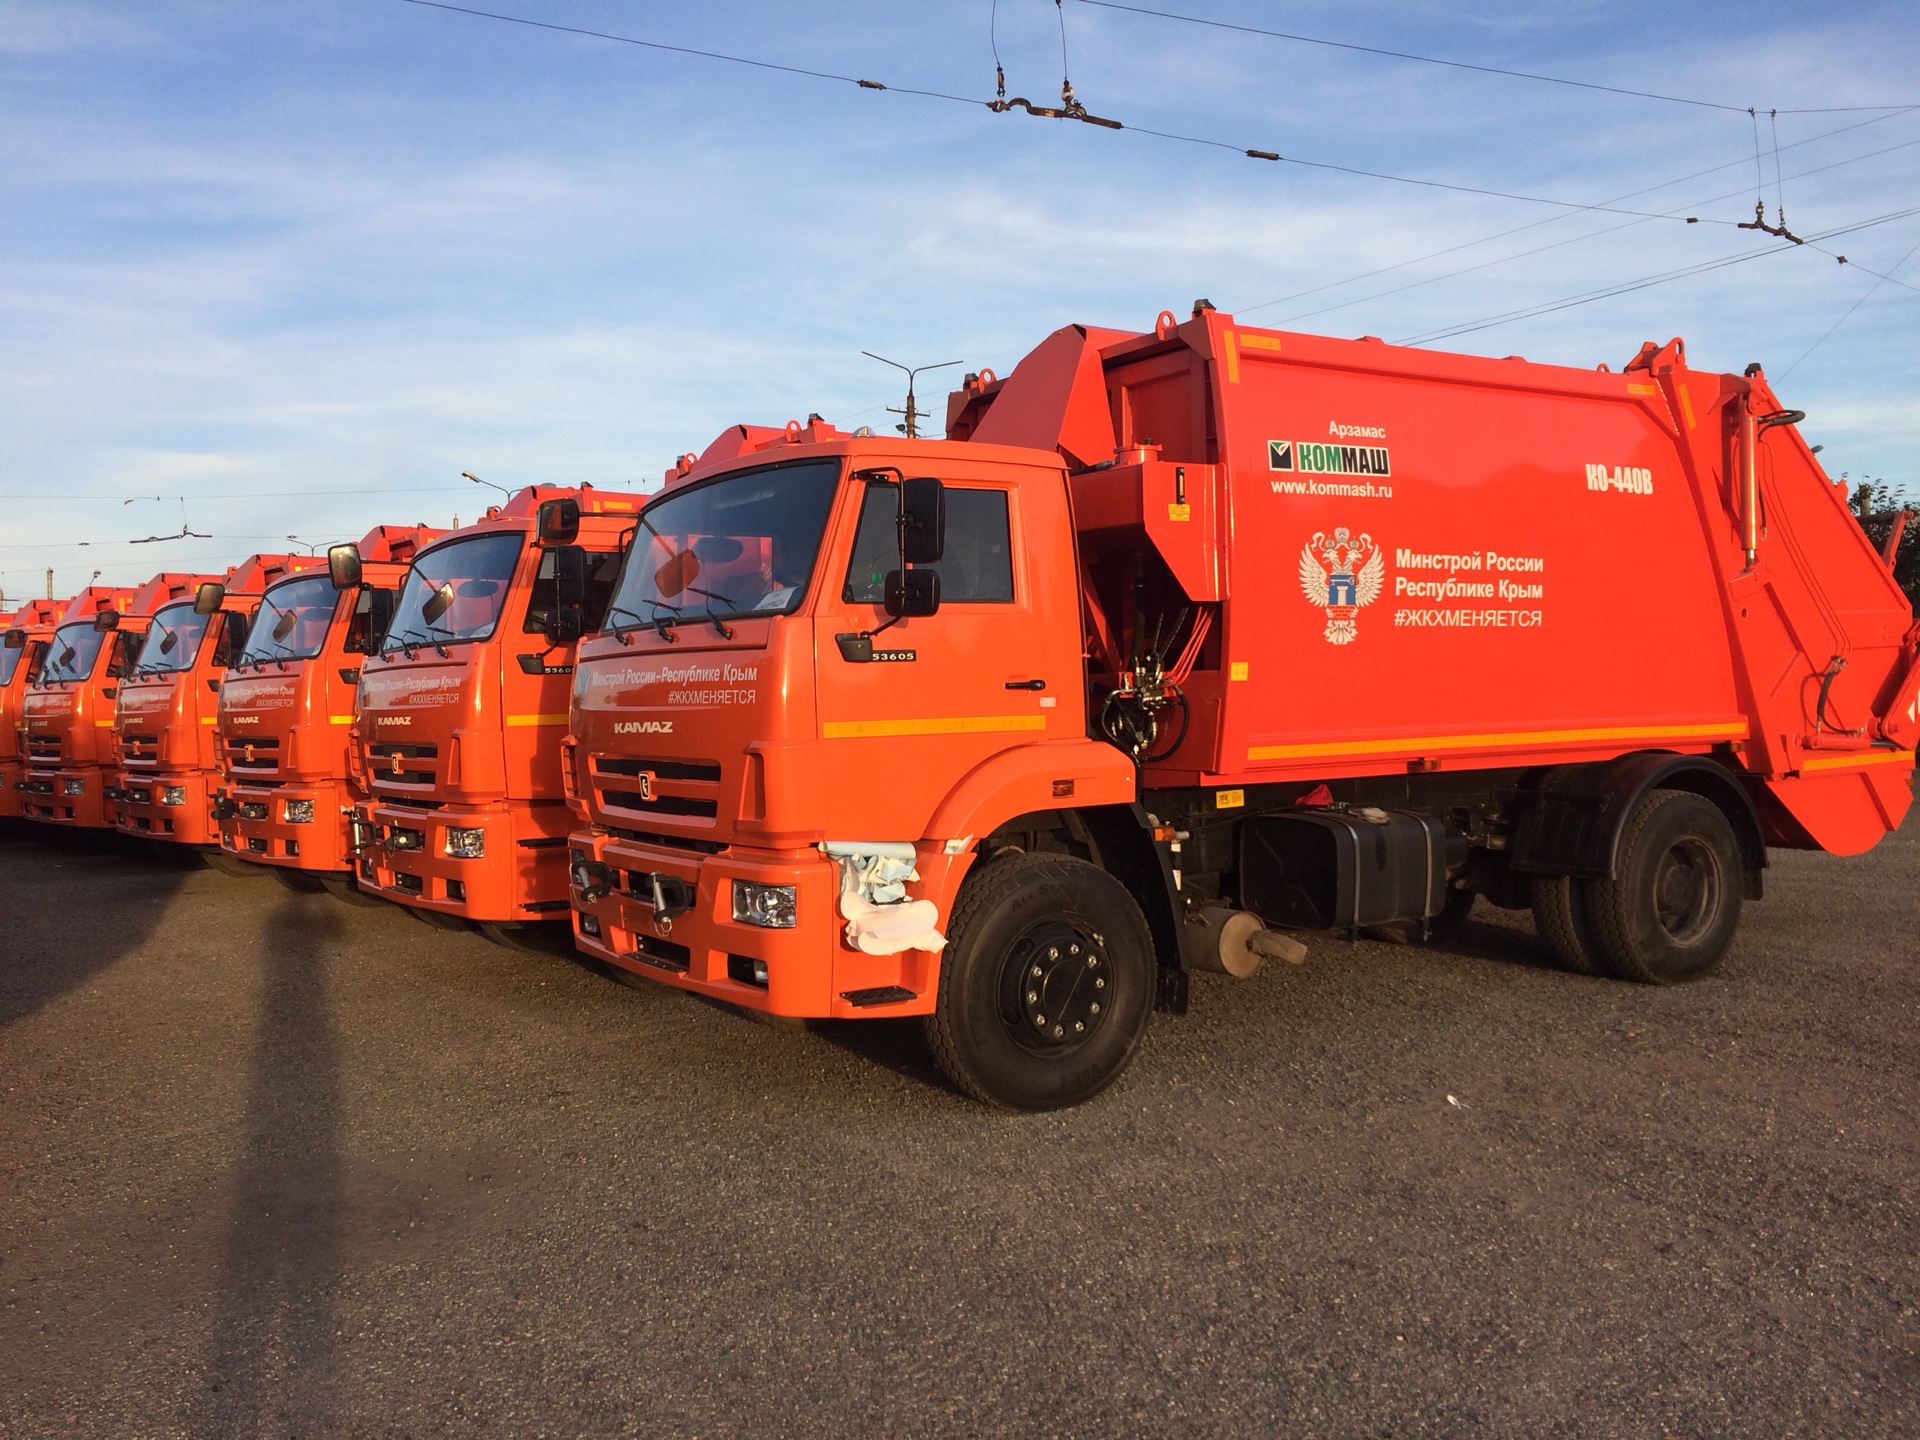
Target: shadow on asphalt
43, 954
280, 1258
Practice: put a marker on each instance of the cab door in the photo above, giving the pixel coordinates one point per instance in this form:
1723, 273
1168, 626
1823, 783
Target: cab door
994, 668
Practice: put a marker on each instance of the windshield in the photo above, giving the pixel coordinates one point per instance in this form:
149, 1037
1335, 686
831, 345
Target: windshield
292, 621
172, 641
455, 592
72, 653
739, 546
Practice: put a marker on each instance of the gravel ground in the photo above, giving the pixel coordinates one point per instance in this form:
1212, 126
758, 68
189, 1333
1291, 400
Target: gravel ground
275, 1165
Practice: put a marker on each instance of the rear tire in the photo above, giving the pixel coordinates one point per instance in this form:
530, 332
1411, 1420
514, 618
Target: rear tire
1559, 914
1046, 984
1671, 915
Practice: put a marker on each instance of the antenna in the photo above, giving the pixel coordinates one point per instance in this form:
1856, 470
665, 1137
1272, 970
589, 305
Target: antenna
914, 415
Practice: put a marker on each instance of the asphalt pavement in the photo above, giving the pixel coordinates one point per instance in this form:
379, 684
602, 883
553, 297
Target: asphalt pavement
274, 1165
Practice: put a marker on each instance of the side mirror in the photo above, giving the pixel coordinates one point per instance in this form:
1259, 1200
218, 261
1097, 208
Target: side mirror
16, 640
107, 620
343, 566
911, 593
923, 520
559, 521
568, 620
209, 597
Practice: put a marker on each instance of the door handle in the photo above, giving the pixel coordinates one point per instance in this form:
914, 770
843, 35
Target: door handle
1026, 684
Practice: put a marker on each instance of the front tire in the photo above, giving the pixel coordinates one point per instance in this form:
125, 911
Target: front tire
1670, 916
1046, 984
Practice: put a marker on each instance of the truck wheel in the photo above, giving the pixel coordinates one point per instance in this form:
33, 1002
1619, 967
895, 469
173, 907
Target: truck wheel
1559, 914
1046, 984
304, 882
1672, 913
233, 865
342, 887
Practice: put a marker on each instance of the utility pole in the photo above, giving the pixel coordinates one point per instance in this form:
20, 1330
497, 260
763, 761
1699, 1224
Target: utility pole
914, 415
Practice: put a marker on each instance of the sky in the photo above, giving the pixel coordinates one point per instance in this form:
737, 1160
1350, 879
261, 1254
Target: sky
289, 268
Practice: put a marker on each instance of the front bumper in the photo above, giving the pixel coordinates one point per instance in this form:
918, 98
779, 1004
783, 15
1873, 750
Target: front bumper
400, 852
810, 970
13, 798
137, 808
47, 796
251, 822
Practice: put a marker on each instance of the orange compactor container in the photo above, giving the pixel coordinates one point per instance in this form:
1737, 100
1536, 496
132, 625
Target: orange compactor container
462, 710
284, 796
1187, 638
67, 713
25, 633
165, 712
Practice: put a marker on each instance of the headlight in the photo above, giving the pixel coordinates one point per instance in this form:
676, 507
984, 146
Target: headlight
465, 844
769, 906
73, 787
299, 812
173, 795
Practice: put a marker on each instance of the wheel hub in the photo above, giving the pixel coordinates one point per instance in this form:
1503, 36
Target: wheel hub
1056, 989
1684, 893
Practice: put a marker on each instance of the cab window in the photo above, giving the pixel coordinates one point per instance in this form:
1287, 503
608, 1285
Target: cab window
976, 567
603, 570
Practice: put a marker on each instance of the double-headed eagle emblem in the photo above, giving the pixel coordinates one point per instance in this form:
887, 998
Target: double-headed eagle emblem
1340, 575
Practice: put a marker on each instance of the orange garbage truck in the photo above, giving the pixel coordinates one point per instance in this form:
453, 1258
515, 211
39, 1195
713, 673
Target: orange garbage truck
284, 799
68, 711
23, 647
461, 713
168, 703
1187, 642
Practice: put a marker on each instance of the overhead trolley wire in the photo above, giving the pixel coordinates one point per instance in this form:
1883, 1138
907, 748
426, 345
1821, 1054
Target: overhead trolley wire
1465, 65
1645, 282
1073, 111
1883, 279
1551, 219
1575, 239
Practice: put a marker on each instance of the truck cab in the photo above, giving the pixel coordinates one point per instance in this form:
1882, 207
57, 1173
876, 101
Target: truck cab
23, 648
68, 710
165, 712
752, 699
285, 796
461, 713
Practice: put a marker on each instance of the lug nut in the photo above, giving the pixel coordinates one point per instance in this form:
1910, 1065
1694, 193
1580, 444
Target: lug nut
1095, 1009
1032, 996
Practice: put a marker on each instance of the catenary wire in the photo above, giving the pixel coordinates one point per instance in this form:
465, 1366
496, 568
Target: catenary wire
1853, 307
1645, 282
1552, 219
1570, 240
1254, 153
1466, 65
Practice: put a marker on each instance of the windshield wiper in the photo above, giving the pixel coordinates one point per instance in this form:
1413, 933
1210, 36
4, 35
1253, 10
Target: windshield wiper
402, 638
618, 633
662, 622
710, 596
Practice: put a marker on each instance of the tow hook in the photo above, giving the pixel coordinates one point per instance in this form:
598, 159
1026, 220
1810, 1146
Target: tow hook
593, 880
223, 808
671, 897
